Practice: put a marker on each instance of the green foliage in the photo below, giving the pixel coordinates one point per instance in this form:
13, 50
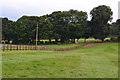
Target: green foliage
45, 28
118, 27
8, 29
25, 29
100, 17
68, 24
114, 29
63, 26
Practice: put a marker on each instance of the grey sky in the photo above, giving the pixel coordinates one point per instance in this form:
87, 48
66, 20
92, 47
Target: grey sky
14, 9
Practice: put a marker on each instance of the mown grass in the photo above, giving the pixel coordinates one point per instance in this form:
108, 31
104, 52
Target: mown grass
82, 40
100, 61
60, 45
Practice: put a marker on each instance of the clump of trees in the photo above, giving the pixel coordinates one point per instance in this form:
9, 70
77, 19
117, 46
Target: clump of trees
63, 26
115, 30
100, 17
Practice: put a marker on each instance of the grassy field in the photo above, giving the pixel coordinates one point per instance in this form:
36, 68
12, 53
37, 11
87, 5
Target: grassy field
61, 45
100, 61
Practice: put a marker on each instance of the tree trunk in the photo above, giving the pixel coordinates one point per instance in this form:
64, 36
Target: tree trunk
85, 40
74, 40
77, 40
49, 40
102, 40
63, 40
56, 40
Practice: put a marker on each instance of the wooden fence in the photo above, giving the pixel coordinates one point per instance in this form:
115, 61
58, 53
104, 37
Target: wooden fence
11, 47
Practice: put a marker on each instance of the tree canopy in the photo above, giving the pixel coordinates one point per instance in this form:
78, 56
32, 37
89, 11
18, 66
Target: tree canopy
100, 17
63, 26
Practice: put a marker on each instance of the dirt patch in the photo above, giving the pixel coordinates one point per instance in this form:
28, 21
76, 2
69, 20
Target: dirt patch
91, 44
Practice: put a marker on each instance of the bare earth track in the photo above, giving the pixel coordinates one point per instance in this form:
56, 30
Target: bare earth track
91, 44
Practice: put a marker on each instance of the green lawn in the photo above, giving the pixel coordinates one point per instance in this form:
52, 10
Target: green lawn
61, 45
100, 61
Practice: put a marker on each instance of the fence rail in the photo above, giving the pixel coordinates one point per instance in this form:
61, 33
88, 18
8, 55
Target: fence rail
11, 47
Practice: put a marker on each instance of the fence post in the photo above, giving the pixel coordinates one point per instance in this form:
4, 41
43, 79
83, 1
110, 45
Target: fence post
29, 47
32, 48
3, 47
26, 47
7, 47
10, 47
23, 47
35, 47
17, 47
20, 47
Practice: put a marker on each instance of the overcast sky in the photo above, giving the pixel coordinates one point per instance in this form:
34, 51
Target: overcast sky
14, 9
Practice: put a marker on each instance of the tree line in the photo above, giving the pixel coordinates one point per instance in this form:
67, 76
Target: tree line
63, 26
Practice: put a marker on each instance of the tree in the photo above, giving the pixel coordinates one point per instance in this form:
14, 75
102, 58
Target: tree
118, 27
8, 29
113, 29
100, 17
77, 24
45, 28
68, 24
87, 31
25, 29
59, 21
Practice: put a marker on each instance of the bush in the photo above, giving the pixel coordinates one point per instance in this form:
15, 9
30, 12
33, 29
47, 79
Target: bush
114, 39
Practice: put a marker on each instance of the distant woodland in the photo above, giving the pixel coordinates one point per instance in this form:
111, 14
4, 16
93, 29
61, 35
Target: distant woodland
62, 26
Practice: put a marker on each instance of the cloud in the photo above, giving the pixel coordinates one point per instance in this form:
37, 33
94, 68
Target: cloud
16, 8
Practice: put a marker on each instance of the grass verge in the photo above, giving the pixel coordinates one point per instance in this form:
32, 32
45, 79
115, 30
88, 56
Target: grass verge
100, 61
